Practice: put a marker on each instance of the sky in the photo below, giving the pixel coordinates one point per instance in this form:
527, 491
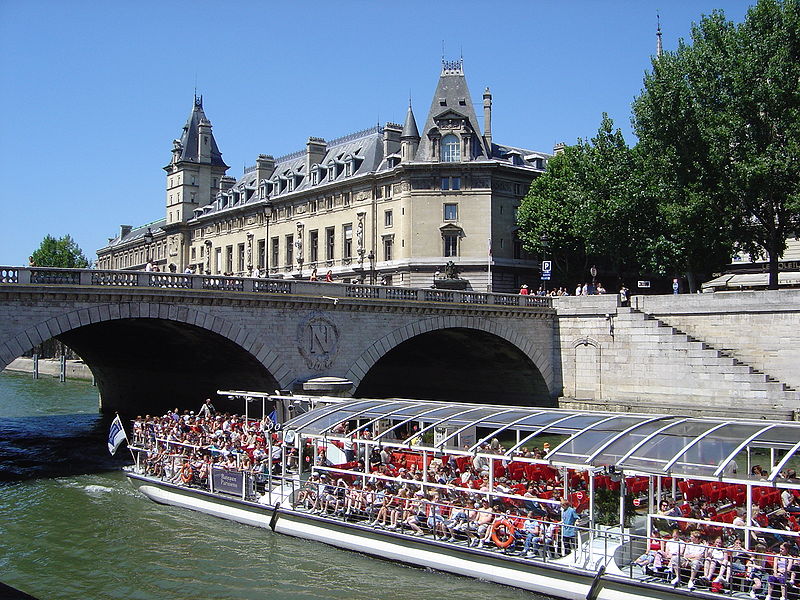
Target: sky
93, 93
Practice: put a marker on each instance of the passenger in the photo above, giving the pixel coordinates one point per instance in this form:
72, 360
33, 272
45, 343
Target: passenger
531, 529
435, 520
691, 554
483, 520
415, 513
569, 533
782, 572
544, 544
717, 561
757, 571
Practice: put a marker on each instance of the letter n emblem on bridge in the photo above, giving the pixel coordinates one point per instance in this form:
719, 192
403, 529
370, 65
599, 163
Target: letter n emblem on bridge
317, 341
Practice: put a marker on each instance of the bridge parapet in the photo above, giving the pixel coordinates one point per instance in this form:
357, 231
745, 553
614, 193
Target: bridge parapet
34, 276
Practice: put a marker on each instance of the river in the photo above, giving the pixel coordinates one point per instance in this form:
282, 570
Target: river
72, 527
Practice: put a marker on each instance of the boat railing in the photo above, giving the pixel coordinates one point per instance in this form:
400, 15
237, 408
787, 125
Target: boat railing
750, 534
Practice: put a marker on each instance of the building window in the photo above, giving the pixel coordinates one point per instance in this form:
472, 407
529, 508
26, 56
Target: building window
313, 245
450, 243
347, 233
451, 212
330, 242
229, 259
217, 260
241, 257
451, 183
262, 253
289, 251
387, 191
275, 252
388, 246
451, 148
387, 218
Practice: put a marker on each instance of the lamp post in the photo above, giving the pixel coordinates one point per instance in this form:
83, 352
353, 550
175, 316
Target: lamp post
298, 244
593, 273
267, 215
148, 239
371, 257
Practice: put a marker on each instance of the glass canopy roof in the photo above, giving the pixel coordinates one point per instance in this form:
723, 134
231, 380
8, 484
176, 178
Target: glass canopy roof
657, 444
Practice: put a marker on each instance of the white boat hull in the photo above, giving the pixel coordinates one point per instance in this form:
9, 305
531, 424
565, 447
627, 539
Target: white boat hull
555, 578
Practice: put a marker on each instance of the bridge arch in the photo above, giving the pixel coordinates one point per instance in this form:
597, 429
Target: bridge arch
243, 358
534, 383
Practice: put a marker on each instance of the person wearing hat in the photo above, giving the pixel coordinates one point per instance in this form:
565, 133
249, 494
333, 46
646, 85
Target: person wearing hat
524, 289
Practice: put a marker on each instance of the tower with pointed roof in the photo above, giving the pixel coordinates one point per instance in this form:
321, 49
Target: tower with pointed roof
194, 173
409, 138
451, 132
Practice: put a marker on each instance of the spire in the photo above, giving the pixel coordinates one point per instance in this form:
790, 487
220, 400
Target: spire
190, 142
410, 130
659, 48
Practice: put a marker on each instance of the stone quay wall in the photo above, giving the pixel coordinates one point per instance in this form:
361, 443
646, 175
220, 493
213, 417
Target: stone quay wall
723, 354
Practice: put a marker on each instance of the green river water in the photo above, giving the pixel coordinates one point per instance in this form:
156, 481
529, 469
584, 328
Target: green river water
71, 527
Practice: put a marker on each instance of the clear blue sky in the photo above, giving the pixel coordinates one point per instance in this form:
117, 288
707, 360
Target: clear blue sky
93, 93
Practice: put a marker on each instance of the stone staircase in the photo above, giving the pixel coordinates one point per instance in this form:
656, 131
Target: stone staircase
688, 375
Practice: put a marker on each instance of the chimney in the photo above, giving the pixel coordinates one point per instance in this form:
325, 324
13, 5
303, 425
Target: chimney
315, 152
226, 183
204, 141
559, 148
391, 138
124, 230
487, 120
265, 165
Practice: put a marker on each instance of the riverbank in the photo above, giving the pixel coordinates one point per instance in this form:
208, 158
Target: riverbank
74, 369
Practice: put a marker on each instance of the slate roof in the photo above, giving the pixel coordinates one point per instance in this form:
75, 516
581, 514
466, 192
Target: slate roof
137, 233
189, 137
452, 95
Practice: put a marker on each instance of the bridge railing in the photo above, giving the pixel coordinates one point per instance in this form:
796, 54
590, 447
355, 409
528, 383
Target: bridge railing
186, 281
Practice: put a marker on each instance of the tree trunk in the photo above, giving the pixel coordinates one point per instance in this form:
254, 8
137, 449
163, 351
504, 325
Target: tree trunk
773, 268
691, 280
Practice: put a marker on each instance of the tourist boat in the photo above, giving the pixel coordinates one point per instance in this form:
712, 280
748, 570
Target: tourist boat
615, 468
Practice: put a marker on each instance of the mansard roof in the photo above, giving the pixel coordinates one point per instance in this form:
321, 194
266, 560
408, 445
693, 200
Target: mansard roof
190, 137
451, 96
362, 149
137, 233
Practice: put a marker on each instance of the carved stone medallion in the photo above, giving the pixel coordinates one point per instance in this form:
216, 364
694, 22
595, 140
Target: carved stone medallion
317, 341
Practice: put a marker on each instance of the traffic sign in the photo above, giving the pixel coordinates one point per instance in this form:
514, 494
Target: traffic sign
547, 267
545, 276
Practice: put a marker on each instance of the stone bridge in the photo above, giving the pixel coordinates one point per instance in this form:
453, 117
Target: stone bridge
158, 339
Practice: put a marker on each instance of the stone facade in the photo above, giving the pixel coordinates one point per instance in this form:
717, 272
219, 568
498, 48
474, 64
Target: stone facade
386, 204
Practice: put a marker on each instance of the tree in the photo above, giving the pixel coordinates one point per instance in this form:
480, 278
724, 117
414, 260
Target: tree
718, 123
63, 253
589, 207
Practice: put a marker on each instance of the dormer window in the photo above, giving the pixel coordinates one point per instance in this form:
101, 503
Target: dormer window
451, 148
348, 168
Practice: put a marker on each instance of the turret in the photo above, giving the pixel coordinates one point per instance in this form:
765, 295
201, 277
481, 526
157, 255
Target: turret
409, 137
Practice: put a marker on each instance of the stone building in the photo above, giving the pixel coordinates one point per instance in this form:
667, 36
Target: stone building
384, 205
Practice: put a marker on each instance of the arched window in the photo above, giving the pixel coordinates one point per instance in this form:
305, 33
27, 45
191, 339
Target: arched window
451, 148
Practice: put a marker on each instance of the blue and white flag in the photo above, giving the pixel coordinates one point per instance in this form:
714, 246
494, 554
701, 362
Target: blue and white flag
116, 435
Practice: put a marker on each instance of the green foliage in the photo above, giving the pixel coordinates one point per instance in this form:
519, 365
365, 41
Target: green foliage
589, 206
719, 124
63, 252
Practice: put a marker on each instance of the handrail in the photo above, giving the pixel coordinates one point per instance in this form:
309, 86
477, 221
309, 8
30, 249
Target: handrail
362, 293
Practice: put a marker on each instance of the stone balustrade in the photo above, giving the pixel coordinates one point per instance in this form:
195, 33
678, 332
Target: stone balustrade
26, 276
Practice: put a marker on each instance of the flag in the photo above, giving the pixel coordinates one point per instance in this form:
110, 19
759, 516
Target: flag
273, 416
116, 435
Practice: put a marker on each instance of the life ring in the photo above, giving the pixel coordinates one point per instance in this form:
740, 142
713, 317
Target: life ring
503, 533
186, 472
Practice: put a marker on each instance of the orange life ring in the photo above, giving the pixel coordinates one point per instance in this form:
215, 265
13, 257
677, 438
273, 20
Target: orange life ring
503, 533
186, 472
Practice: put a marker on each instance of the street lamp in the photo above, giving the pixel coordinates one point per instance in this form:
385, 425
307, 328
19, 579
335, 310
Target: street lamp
593, 273
371, 257
148, 239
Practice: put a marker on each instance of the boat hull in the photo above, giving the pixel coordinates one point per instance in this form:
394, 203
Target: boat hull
554, 579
